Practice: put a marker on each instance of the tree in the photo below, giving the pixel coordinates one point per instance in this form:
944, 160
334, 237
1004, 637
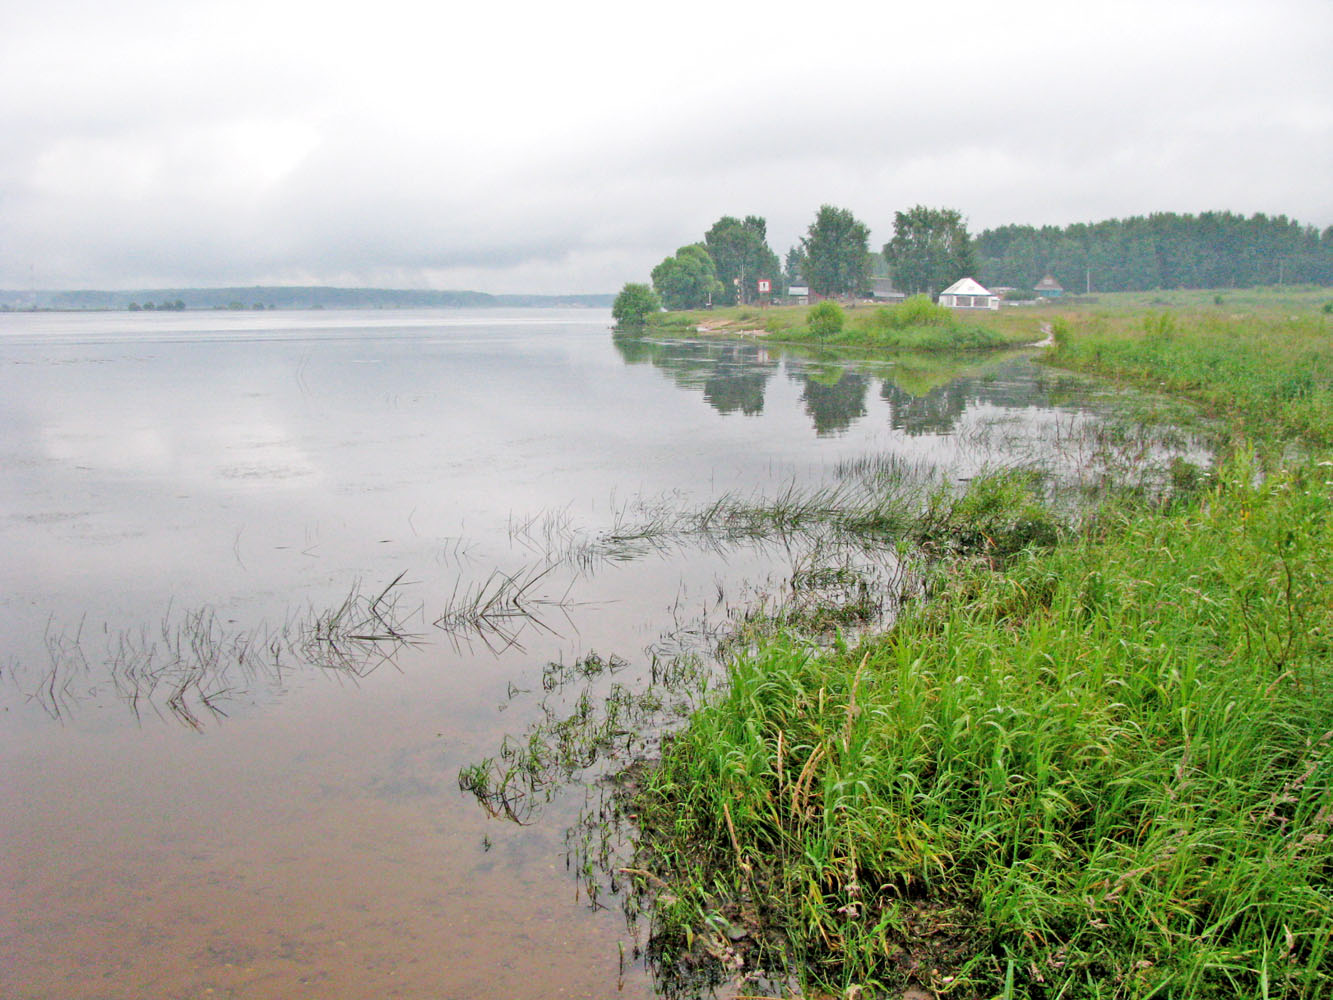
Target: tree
835, 253
688, 280
633, 305
930, 250
794, 271
740, 251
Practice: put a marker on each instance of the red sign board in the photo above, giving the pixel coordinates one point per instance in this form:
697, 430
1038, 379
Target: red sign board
765, 286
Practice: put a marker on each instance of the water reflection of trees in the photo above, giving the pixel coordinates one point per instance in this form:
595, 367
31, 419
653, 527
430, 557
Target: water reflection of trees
934, 413
732, 375
734, 391
938, 410
925, 393
833, 398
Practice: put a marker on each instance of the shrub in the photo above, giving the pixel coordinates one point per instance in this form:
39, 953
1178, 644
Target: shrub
1060, 332
825, 319
920, 311
916, 311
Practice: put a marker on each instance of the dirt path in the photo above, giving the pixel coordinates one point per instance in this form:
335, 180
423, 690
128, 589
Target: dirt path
730, 326
1048, 337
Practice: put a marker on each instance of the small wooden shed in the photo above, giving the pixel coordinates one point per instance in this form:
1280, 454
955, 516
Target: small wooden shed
1048, 288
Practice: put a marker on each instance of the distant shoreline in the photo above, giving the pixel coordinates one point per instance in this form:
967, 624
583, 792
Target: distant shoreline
262, 297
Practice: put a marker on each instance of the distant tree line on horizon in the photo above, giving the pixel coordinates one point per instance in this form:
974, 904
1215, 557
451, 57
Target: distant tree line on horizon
1162, 250
176, 306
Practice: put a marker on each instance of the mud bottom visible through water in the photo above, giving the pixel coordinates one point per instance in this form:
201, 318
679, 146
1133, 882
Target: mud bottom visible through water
317, 856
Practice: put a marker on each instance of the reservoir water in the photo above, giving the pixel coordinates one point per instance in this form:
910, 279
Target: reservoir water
243, 654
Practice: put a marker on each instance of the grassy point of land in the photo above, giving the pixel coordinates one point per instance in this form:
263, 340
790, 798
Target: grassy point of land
1093, 767
916, 324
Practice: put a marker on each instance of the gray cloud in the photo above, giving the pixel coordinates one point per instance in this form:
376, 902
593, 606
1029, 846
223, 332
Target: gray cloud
544, 149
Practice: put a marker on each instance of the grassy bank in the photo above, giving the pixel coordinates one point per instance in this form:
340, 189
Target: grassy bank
1102, 768
916, 324
1269, 372
1274, 300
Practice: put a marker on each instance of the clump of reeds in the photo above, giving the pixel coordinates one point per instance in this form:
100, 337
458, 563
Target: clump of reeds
577, 735
362, 633
196, 662
497, 609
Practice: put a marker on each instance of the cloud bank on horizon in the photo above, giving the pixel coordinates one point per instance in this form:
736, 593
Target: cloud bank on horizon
568, 148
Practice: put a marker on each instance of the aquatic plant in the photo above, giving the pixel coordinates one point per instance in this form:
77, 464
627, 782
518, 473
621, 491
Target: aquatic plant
497, 609
197, 662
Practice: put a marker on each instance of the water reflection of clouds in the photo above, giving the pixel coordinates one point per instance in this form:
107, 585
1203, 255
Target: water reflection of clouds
261, 452
252, 449
84, 440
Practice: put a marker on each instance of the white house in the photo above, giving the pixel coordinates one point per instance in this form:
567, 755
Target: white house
966, 293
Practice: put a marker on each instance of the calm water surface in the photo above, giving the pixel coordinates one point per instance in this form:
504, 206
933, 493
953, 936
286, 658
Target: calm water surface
192, 495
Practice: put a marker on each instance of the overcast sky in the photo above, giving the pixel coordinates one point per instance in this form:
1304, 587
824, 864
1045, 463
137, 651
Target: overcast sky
520, 147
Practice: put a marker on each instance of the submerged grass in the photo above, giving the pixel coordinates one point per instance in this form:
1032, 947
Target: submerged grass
1097, 763
197, 662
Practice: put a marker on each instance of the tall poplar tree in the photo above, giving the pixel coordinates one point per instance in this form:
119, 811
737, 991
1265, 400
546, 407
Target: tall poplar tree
930, 250
836, 253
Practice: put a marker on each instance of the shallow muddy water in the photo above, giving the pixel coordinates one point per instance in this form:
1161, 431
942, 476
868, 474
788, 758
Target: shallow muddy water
242, 659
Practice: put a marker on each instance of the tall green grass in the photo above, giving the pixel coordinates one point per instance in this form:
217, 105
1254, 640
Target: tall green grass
1095, 769
1106, 772
1271, 373
915, 324
1285, 300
